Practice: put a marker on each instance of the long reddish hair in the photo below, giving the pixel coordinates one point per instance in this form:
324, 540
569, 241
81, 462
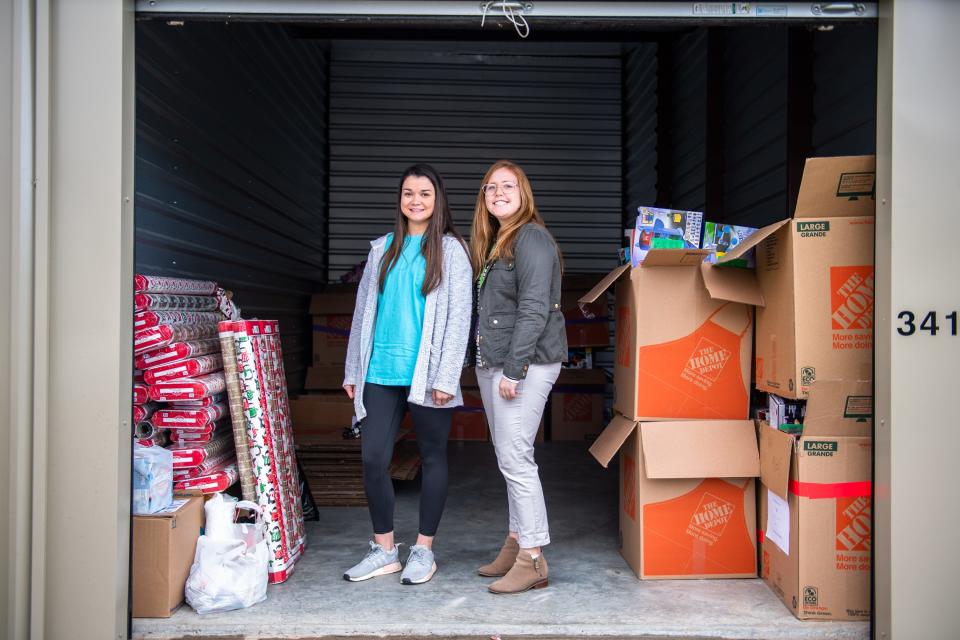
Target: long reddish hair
490, 239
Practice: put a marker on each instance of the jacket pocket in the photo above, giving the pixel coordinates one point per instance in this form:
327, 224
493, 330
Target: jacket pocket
501, 320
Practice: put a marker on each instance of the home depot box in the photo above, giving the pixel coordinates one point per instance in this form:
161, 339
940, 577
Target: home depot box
311, 413
687, 497
576, 405
683, 337
469, 421
164, 544
816, 274
587, 325
816, 495
332, 312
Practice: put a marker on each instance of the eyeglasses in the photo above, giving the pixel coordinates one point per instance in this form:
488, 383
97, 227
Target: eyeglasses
508, 188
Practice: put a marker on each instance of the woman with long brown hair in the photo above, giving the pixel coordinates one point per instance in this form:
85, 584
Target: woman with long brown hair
407, 343
520, 343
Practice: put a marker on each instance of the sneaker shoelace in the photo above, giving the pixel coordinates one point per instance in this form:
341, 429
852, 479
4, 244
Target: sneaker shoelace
418, 555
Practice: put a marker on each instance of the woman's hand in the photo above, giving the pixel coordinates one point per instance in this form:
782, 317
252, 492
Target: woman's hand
508, 389
440, 398
350, 389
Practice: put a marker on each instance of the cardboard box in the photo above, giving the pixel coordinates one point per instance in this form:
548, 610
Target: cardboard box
576, 405
687, 496
816, 274
320, 412
816, 496
324, 378
588, 326
332, 312
683, 337
163, 548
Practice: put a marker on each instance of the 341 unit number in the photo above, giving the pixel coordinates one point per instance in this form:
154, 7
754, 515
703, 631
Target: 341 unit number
908, 323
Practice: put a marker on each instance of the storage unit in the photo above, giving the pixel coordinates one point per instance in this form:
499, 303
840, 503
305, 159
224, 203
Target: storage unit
285, 290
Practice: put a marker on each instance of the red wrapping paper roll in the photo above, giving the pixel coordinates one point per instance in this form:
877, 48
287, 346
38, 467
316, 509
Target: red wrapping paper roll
147, 319
198, 437
162, 284
188, 388
201, 402
170, 301
220, 480
207, 466
141, 393
199, 419
186, 456
177, 351
164, 334
142, 412
190, 368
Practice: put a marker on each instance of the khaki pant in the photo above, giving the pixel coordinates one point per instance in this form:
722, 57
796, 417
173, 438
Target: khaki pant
513, 429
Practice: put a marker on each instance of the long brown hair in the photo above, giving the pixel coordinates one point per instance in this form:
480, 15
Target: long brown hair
487, 229
440, 224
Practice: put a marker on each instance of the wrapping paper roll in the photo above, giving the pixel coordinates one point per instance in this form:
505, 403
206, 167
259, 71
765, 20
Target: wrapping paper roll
142, 412
190, 368
238, 423
141, 393
200, 436
147, 319
177, 351
186, 456
170, 301
162, 284
162, 335
201, 402
190, 419
189, 388
208, 466
226, 305
159, 438
210, 483
271, 448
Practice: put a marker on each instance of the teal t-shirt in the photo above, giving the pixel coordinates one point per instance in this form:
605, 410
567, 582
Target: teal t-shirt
396, 334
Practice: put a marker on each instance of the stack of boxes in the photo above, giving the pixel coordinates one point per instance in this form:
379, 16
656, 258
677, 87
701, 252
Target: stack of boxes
689, 456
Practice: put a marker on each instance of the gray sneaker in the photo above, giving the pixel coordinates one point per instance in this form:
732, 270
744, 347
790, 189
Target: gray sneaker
420, 566
377, 562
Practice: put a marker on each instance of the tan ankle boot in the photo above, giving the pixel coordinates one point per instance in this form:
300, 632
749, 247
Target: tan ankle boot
526, 573
505, 559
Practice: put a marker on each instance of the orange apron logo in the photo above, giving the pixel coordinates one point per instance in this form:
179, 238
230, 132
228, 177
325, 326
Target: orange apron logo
629, 491
577, 407
623, 336
853, 524
701, 532
697, 376
851, 294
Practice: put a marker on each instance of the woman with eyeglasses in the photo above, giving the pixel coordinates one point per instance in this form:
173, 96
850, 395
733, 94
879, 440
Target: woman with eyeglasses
407, 344
520, 342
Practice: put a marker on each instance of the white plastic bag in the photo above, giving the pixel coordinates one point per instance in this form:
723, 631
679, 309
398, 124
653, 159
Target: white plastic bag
152, 479
220, 511
230, 573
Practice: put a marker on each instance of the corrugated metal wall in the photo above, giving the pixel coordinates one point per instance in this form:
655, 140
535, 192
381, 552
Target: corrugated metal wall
844, 91
639, 127
231, 160
755, 131
688, 106
553, 108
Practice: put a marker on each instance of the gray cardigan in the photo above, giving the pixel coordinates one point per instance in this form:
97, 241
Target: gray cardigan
443, 341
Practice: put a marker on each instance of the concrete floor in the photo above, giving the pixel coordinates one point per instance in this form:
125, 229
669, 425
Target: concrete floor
592, 591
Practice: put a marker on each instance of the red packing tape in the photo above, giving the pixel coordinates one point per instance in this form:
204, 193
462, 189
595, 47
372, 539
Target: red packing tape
817, 490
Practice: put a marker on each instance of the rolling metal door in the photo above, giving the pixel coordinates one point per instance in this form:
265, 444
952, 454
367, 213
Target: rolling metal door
639, 127
554, 109
230, 167
687, 137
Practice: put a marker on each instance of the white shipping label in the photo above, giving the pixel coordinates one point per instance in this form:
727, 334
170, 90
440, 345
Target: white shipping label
778, 521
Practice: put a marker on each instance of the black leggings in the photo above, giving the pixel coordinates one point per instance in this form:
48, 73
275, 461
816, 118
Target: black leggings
385, 408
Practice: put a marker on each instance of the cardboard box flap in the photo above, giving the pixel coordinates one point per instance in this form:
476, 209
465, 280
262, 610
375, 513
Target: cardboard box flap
776, 448
603, 285
611, 439
732, 284
700, 449
839, 408
839, 187
674, 257
751, 241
